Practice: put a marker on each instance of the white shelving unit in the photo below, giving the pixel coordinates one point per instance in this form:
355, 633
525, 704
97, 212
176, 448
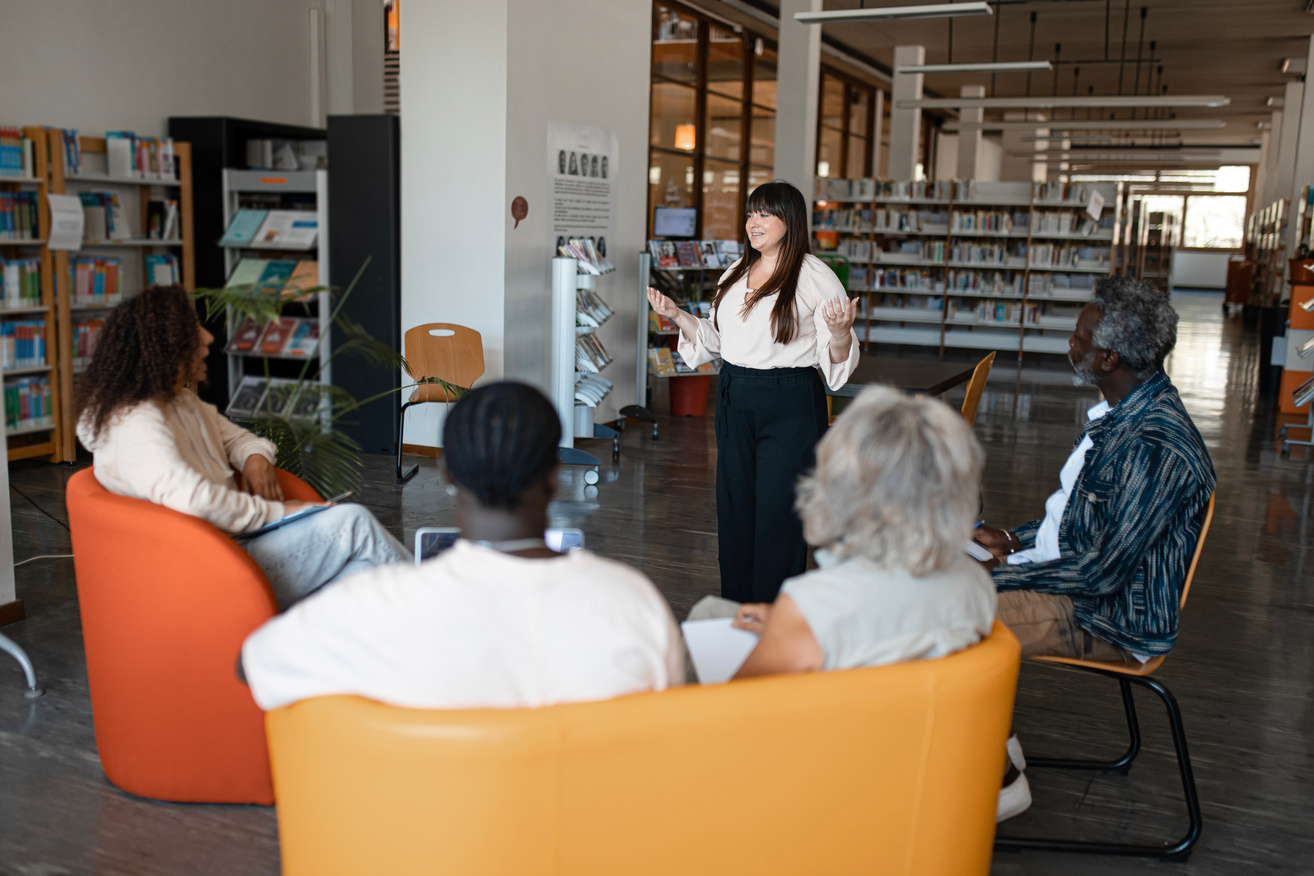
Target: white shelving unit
576, 417
971, 265
236, 184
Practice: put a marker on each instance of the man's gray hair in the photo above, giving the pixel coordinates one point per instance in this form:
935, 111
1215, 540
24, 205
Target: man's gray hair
898, 481
1137, 321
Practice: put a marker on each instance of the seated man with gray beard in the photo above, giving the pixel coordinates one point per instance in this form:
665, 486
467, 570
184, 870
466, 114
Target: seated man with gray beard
1100, 576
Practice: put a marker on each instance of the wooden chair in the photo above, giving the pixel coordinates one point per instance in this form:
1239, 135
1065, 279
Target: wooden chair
975, 387
454, 353
1128, 674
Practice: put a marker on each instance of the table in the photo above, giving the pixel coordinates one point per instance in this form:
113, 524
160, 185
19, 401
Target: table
923, 377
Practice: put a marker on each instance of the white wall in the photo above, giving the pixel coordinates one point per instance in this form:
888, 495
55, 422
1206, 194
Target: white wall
1199, 270
99, 65
479, 86
454, 101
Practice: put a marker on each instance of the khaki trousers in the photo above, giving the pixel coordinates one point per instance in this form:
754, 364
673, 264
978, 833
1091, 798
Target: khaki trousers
1043, 624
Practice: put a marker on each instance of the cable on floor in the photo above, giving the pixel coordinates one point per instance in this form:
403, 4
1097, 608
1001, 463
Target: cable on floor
44, 557
38, 507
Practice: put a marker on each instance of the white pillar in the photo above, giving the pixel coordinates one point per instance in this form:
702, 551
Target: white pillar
1269, 193
905, 124
1261, 171
1015, 165
1303, 166
1289, 143
798, 80
969, 141
877, 132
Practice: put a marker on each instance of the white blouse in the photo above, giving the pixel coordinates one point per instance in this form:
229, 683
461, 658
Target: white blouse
748, 341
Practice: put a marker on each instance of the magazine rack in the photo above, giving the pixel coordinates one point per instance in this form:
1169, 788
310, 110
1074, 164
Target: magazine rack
571, 343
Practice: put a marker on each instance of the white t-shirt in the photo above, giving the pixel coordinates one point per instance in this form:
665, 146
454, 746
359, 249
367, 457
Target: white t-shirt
749, 342
1047, 545
472, 628
866, 614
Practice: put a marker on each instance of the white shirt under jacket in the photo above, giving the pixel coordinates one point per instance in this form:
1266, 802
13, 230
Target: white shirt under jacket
472, 628
747, 340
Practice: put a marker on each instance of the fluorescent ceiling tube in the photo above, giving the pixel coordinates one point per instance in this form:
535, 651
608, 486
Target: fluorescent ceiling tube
930, 10
1112, 101
1088, 125
985, 67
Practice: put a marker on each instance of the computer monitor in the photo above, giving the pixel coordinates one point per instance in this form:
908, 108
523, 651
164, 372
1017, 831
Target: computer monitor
674, 221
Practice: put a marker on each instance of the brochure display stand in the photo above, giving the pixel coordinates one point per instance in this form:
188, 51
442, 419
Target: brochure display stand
276, 240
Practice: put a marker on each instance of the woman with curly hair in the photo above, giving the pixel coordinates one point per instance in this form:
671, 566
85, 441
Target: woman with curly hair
152, 438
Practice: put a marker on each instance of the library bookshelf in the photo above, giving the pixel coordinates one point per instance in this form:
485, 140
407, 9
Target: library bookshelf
43, 438
133, 254
987, 266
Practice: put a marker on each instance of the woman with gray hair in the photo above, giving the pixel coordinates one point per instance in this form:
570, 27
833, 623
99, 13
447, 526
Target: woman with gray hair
889, 507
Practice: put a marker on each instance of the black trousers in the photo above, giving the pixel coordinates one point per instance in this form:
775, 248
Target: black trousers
767, 426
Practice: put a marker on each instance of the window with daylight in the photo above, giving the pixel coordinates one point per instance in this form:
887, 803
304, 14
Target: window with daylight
713, 114
846, 116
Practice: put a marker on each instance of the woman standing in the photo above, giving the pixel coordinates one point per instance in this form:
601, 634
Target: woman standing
778, 315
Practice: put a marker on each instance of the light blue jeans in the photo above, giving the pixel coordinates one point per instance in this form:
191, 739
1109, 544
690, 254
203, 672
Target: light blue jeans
303, 556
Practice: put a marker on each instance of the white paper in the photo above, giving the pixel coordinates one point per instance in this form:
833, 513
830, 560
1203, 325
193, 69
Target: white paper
716, 648
582, 173
66, 222
977, 551
1095, 206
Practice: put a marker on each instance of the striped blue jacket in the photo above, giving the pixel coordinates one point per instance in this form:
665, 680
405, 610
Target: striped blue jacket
1131, 524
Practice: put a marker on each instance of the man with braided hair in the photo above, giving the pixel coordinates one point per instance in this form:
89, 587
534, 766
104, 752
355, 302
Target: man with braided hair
498, 620
1100, 576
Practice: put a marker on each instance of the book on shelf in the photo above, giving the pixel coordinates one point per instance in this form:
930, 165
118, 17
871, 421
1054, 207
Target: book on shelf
85, 332
72, 150
246, 337
19, 216
20, 282
131, 155
708, 254
687, 250
22, 343
243, 228
730, 250
163, 270
276, 336
667, 257
162, 220
590, 355
246, 273
103, 217
95, 281
17, 153
248, 397
27, 403
303, 339
586, 254
287, 229
659, 323
660, 362
304, 277
590, 310
275, 276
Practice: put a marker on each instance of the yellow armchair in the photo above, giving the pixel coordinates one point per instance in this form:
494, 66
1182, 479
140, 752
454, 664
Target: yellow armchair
886, 770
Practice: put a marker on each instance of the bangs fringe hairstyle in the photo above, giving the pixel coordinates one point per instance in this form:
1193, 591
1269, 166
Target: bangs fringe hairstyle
782, 200
898, 481
140, 353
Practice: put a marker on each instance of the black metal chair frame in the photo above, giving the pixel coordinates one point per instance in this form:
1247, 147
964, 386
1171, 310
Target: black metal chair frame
1176, 851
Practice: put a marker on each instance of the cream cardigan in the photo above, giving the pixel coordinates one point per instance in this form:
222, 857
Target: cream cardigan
181, 455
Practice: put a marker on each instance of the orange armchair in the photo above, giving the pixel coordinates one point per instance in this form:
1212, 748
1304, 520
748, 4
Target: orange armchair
166, 601
886, 770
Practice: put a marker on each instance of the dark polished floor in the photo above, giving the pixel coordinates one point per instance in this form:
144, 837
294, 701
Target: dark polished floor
1241, 671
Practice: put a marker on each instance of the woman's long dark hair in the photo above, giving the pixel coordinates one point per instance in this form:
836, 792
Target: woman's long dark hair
140, 353
782, 200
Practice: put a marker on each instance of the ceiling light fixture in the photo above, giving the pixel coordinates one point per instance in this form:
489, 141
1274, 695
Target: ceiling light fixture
1293, 66
1275, 102
1112, 101
930, 10
984, 67
954, 127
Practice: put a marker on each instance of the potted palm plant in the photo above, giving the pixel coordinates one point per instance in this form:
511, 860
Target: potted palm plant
301, 416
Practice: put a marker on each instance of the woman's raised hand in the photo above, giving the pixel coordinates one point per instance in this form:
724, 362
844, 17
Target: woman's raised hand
663, 305
840, 314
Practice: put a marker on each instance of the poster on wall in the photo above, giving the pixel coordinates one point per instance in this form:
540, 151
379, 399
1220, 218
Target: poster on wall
582, 170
